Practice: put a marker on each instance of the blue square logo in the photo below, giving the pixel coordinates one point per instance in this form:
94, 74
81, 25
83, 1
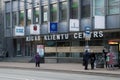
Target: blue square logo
53, 27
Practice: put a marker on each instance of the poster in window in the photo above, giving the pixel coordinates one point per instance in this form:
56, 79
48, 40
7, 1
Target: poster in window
45, 16
40, 50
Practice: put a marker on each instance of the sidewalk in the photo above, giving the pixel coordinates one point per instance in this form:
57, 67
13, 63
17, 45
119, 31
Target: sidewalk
66, 67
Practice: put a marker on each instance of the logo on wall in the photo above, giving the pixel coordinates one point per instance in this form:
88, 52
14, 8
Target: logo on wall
34, 29
53, 27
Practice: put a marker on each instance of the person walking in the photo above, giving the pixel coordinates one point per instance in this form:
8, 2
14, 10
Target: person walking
92, 59
86, 59
37, 60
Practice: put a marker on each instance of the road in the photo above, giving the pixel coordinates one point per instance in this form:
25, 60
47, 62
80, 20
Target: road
17, 74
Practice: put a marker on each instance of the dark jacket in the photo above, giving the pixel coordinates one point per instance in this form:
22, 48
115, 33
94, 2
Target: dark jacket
37, 58
86, 56
92, 57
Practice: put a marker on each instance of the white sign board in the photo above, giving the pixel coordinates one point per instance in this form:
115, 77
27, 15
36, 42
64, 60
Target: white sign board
34, 29
19, 31
74, 25
99, 22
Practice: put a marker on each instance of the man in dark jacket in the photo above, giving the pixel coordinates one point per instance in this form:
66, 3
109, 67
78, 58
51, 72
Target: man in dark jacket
92, 60
86, 59
37, 60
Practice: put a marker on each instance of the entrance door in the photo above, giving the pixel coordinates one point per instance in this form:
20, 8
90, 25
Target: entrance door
19, 47
30, 49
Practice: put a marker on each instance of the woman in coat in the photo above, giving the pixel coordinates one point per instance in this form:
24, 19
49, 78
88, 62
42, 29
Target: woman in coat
37, 60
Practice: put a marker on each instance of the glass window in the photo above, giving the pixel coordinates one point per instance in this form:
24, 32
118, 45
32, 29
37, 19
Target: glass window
36, 3
63, 11
15, 5
44, 16
113, 6
74, 9
50, 43
36, 15
76, 55
21, 4
28, 3
7, 6
62, 44
98, 7
51, 55
85, 8
29, 17
21, 18
53, 12
8, 20
14, 16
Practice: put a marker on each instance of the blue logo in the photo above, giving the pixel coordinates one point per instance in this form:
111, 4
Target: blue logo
53, 27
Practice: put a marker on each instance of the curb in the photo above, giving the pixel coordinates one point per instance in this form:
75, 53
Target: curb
65, 71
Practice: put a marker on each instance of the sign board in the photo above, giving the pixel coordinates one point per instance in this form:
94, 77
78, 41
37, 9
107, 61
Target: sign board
34, 29
99, 22
53, 27
19, 31
87, 33
74, 25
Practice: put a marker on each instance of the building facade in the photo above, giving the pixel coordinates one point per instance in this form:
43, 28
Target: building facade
2, 46
64, 28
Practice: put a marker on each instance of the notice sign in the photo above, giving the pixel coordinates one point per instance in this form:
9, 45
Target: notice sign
40, 50
53, 27
34, 29
74, 25
19, 31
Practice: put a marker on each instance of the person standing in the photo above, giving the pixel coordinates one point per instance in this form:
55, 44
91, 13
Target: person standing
92, 60
86, 59
110, 60
105, 57
37, 60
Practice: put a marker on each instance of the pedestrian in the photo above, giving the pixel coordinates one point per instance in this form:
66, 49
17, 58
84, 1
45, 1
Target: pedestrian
105, 57
92, 59
86, 59
110, 60
37, 60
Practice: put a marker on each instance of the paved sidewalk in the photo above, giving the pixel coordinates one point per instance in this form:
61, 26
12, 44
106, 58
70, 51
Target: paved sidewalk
66, 67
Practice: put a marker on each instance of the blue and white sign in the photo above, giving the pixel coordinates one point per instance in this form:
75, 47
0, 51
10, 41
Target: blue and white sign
87, 29
87, 32
53, 27
19, 31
